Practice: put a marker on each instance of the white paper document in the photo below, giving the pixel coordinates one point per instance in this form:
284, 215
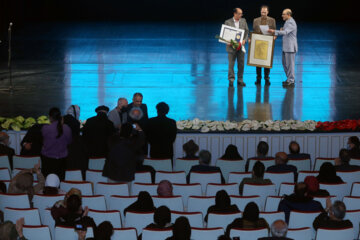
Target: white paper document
264, 29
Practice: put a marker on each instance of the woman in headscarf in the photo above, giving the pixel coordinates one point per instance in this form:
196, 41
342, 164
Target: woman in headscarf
327, 174
191, 148
313, 187
52, 184
231, 153
250, 219
222, 205
59, 209
165, 189
162, 219
144, 203
181, 229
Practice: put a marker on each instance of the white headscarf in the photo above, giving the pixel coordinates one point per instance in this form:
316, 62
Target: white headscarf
52, 180
74, 110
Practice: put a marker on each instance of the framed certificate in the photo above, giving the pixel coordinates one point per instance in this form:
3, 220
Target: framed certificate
261, 50
230, 33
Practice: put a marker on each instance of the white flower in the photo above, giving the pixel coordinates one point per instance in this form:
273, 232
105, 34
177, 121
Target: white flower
246, 127
205, 129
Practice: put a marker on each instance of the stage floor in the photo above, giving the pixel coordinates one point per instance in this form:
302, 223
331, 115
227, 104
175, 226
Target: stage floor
91, 64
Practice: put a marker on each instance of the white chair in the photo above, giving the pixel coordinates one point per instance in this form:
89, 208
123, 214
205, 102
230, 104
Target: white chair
300, 219
185, 164
299, 233
355, 161
174, 203
14, 201
230, 188
266, 161
200, 204
354, 217
112, 216
195, 218
206, 233
204, 178
237, 177
278, 178
228, 166
138, 220
25, 161
355, 189
96, 163
272, 203
173, 177
43, 202
95, 202
334, 234
349, 177
4, 162
5, 174
108, 189
286, 188
242, 201
322, 200
159, 164
340, 190
187, 190
73, 175
303, 174
31, 215
47, 219
221, 219
249, 234
320, 161
37, 232
302, 164
263, 190
142, 177
120, 203
85, 187
147, 187
156, 234
95, 176
124, 234
68, 233
351, 202
271, 217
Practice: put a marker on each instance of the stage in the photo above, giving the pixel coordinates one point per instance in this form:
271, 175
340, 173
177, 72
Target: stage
94, 63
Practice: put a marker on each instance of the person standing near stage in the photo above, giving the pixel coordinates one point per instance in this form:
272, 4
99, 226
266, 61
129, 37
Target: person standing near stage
264, 19
238, 22
289, 46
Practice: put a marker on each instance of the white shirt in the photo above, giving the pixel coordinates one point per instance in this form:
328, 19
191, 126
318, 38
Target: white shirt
236, 23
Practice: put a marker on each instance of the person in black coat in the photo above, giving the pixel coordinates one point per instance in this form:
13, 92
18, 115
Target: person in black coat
294, 149
5, 149
222, 205
161, 133
281, 165
32, 142
72, 119
96, 132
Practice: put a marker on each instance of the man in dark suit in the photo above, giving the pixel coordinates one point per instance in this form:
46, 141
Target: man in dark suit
134, 114
343, 162
161, 133
5, 149
281, 165
278, 231
294, 149
96, 132
204, 165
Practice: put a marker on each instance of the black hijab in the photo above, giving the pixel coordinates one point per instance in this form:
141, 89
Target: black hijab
181, 229
222, 200
231, 153
251, 212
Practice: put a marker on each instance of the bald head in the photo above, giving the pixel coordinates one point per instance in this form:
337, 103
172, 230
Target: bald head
281, 158
279, 228
286, 14
238, 12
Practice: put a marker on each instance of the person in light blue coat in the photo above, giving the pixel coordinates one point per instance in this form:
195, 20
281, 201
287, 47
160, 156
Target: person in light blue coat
289, 46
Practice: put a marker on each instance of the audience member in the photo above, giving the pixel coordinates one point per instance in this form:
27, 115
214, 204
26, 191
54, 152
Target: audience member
313, 187
10, 231
190, 148
231, 153
161, 133
299, 200
118, 115
124, 150
294, 151
5, 149
56, 138
162, 218
181, 229
144, 203
222, 205
281, 165
97, 131
327, 174
59, 209
137, 111
343, 162
332, 217
104, 231
52, 184
257, 177
204, 165
279, 230
354, 147
165, 189
224, 237
72, 119
261, 153
32, 142
250, 219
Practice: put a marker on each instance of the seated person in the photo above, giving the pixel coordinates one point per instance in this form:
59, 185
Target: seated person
279, 230
204, 165
190, 148
250, 219
59, 209
162, 218
313, 187
181, 229
281, 165
294, 149
52, 184
144, 203
354, 147
165, 189
332, 217
5, 149
231, 153
261, 154
299, 200
257, 177
342, 163
11, 231
222, 205
327, 174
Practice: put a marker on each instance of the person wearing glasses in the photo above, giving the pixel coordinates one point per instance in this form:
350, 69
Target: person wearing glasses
238, 22
289, 46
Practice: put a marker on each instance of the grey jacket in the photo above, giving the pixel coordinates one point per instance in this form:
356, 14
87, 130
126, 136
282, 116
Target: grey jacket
242, 25
289, 33
115, 117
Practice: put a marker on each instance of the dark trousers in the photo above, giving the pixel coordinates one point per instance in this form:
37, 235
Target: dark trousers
53, 165
266, 73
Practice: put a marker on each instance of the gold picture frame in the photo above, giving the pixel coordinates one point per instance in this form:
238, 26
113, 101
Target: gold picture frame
261, 50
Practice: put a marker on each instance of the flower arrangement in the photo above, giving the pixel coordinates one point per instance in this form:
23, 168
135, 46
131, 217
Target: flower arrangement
342, 125
20, 123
